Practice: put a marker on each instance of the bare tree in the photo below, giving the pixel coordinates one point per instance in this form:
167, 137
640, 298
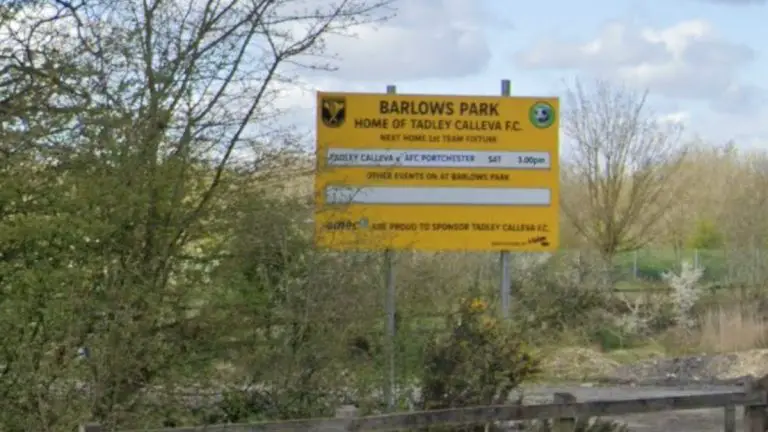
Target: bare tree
618, 174
742, 217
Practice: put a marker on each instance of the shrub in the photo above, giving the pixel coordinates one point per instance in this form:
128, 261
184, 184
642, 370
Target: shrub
685, 293
479, 362
706, 235
552, 303
614, 337
643, 316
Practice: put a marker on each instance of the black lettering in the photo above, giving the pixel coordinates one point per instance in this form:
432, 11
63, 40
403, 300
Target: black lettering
430, 124
409, 176
478, 125
368, 157
542, 240
378, 175
403, 227
389, 137
416, 107
450, 227
415, 138
463, 176
513, 126
481, 139
519, 227
342, 225
485, 227
479, 109
372, 123
468, 176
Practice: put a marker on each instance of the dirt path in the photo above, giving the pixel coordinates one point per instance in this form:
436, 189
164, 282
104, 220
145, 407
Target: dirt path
706, 420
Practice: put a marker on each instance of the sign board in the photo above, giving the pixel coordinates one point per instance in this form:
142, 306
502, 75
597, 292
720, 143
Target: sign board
399, 171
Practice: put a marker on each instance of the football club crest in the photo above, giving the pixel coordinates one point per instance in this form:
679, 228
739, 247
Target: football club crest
542, 115
333, 111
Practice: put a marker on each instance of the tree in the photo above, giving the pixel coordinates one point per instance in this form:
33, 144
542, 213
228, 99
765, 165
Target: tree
706, 236
617, 176
746, 230
138, 123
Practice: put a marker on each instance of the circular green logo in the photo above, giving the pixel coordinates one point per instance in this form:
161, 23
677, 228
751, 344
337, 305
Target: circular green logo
542, 115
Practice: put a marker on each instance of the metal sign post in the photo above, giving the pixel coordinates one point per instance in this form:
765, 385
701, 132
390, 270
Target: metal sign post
505, 282
390, 307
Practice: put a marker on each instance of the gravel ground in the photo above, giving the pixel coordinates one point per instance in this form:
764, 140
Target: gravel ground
724, 368
667, 377
707, 420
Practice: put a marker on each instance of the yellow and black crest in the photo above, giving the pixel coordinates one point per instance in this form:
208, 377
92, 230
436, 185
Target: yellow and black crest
333, 111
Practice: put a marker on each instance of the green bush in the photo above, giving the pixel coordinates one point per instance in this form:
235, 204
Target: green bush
549, 305
662, 316
611, 337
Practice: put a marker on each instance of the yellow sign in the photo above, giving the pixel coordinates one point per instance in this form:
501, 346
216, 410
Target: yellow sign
437, 172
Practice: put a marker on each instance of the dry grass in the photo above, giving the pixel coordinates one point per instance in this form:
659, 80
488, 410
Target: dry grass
728, 366
576, 364
732, 328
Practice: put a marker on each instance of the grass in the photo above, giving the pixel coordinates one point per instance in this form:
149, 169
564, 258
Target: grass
732, 328
632, 355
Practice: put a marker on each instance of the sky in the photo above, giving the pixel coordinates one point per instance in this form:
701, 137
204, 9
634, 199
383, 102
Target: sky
701, 60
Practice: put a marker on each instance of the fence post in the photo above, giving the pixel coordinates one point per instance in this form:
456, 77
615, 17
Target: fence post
346, 411
90, 427
755, 416
564, 424
729, 420
347, 414
754, 419
634, 264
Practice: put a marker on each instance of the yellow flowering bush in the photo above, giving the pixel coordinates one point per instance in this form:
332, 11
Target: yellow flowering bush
478, 362
478, 306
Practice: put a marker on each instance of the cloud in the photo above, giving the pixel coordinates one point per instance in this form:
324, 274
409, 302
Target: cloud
427, 39
741, 99
686, 60
681, 118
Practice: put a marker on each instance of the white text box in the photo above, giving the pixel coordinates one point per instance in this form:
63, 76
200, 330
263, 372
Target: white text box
437, 158
437, 196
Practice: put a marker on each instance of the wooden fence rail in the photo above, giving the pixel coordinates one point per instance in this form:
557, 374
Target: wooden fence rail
564, 411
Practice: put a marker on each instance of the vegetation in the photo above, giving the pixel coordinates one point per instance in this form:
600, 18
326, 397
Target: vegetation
624, 160
156, 263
